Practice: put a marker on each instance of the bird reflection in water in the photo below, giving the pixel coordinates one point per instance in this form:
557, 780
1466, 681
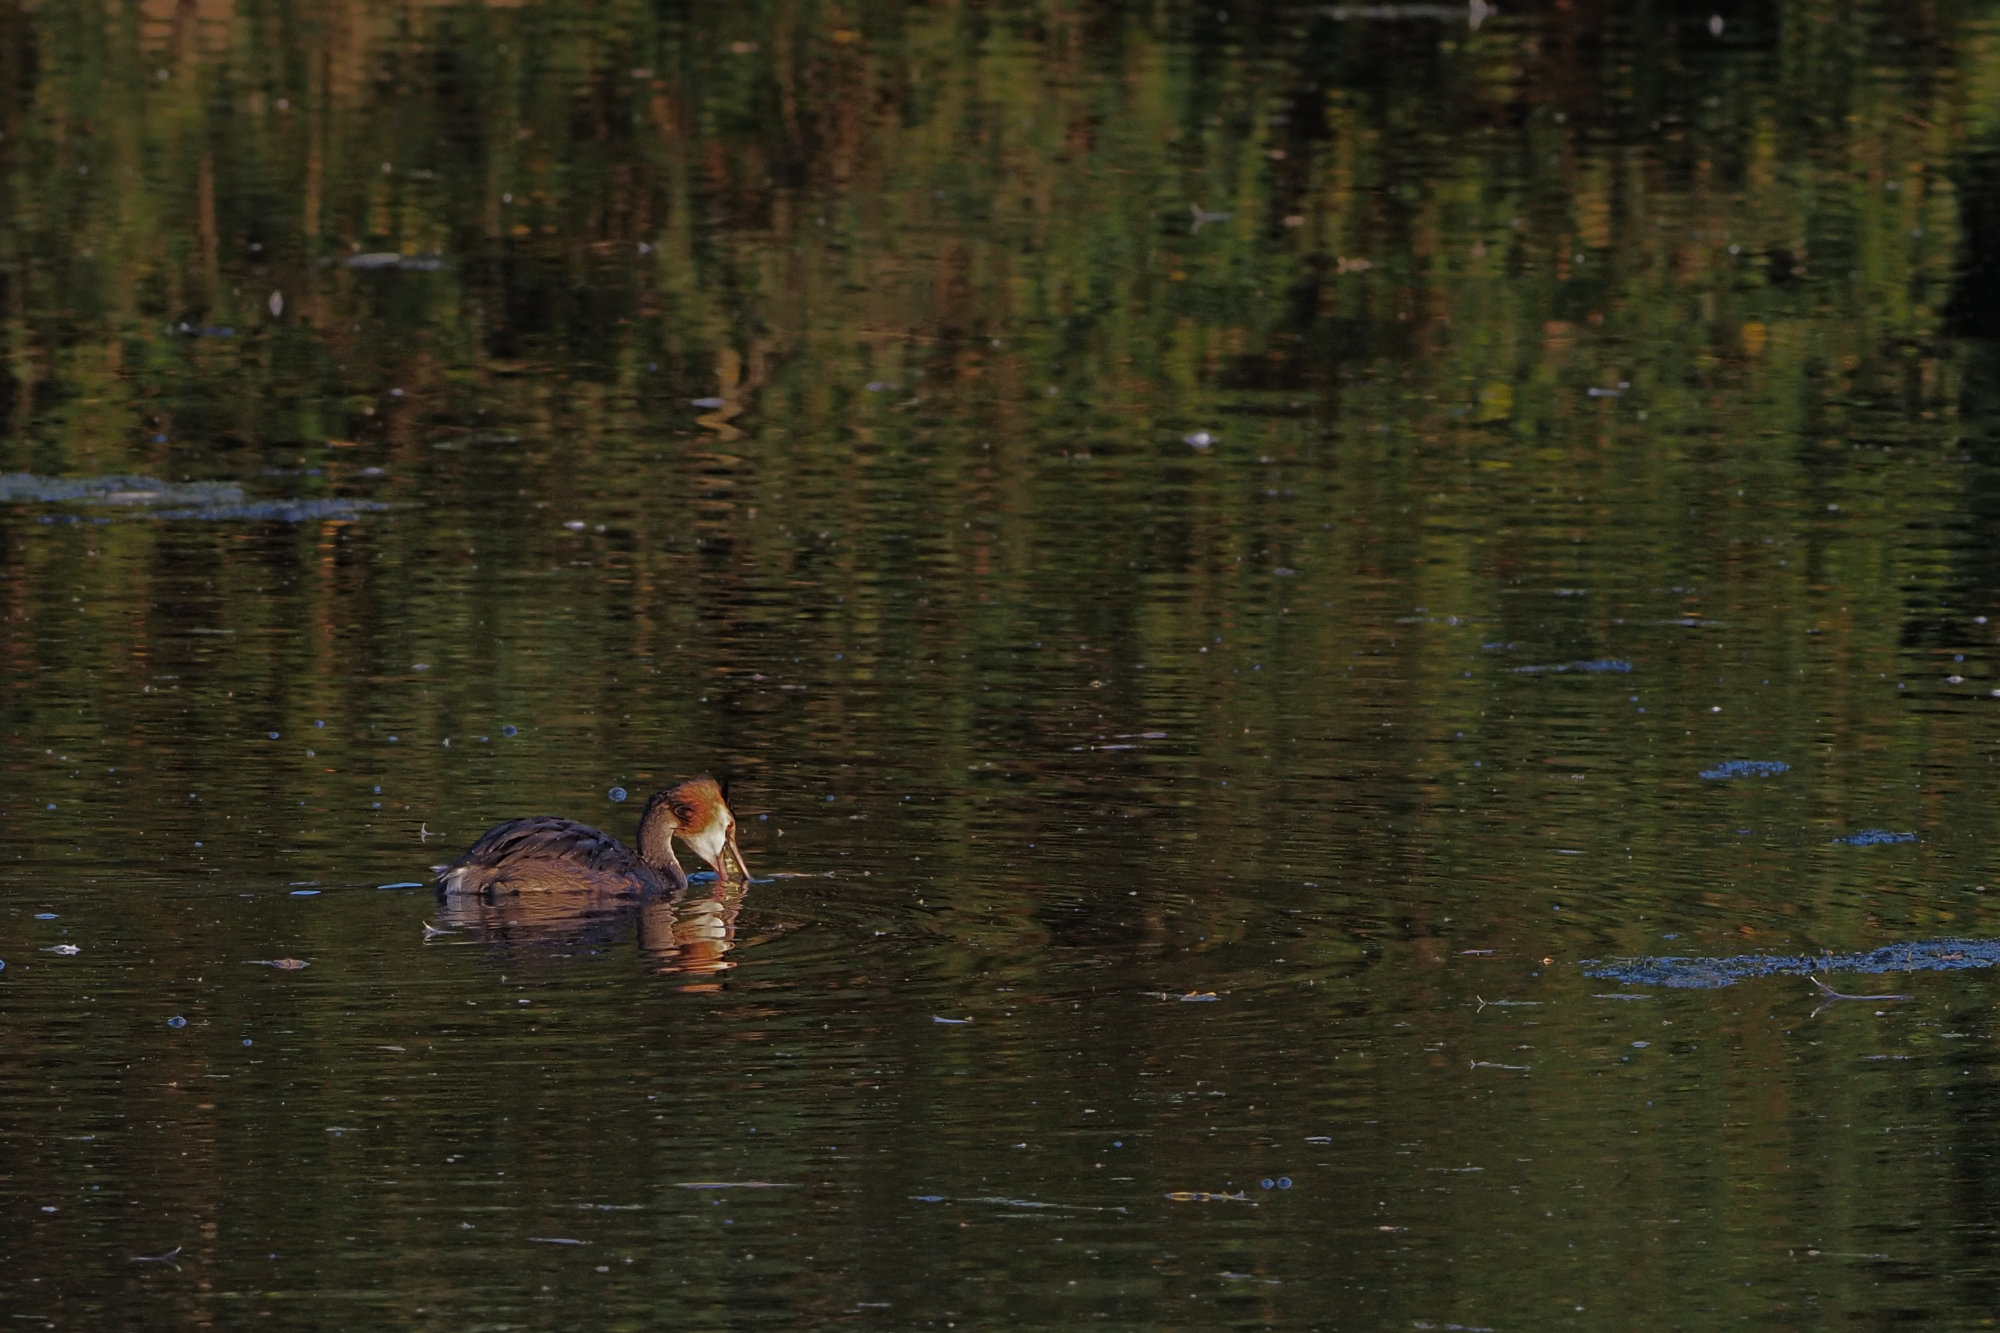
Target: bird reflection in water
691, 930
545, 881
693, 933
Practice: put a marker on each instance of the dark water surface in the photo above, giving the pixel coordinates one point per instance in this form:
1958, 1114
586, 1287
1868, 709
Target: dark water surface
1263, 577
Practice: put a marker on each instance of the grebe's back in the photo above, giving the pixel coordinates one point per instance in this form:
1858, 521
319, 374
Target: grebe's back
543, 853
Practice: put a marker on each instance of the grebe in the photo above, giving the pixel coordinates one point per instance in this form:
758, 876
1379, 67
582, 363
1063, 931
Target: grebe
544, 853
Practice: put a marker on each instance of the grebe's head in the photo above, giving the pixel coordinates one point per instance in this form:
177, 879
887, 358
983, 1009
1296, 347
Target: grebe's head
702, 818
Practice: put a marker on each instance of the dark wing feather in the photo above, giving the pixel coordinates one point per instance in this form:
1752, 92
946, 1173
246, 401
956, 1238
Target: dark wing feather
544, 853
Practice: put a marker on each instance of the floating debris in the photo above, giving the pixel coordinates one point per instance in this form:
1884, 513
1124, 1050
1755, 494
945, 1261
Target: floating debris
390, 260
282, 964
432, 932
953, 1021
735, 1185
1185, 997
1207, 1196
1199, 439
177, 1022
1746, 768
1713, 973
66, 950
557, 1240
1870, 837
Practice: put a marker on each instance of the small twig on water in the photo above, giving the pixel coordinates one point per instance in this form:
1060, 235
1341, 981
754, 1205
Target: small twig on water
167, 1258
1832, 994
1828, 995
775, 932
1203, 217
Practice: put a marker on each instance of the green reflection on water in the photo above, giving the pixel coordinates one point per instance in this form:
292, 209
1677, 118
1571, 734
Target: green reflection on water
1115, 488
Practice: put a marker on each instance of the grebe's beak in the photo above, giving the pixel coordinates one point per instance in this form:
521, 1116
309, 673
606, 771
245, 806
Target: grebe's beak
737, 852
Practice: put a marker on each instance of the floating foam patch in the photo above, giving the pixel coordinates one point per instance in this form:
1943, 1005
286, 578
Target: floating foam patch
1746, 768
1714, 973
1869, 837
216, 501
26, 488
1595, 664
278, 511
